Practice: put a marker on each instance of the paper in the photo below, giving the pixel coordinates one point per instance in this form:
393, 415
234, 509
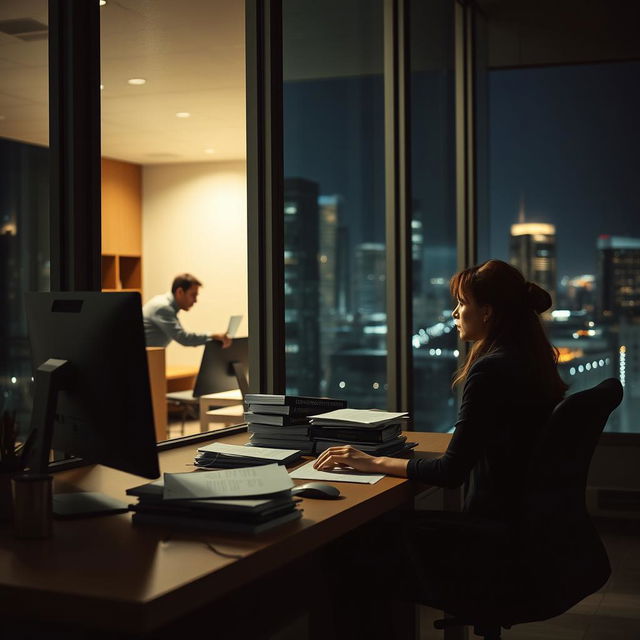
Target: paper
307, 472
234, 323
228, 483
265, 453
357, 416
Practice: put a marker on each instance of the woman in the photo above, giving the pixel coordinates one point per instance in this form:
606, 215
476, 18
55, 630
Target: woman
511, 385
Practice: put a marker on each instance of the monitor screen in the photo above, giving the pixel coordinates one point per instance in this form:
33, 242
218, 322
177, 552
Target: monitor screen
103, 413
217, 372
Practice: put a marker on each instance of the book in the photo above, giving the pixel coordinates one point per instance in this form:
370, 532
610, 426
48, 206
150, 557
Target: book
356, 434
295, 401
250, 417
357, 417
211, 524
282, 409
273, 431
228, 454
380, 449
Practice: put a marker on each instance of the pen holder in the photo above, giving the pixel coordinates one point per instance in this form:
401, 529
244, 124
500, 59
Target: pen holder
32, 499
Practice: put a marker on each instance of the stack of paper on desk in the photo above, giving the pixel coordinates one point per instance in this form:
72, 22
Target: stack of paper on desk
282, 421
220, 455
249, 500
374, 432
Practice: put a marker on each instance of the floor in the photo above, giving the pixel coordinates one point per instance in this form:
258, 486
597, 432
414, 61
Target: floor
613, 613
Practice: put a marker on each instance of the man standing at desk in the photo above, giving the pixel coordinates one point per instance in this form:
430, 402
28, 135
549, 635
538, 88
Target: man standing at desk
160, 316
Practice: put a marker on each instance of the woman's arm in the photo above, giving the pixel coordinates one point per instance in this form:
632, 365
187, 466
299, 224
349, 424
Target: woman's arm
349, 456
474, 426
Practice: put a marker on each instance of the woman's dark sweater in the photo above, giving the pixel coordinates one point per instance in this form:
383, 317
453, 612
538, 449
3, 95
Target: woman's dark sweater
503, 408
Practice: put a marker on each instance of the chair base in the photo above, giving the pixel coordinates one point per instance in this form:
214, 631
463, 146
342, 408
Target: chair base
488, 632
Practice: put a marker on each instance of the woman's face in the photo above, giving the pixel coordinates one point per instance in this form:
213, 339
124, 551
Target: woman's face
472, 320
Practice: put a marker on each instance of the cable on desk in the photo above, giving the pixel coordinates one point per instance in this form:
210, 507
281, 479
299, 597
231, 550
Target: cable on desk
222, 554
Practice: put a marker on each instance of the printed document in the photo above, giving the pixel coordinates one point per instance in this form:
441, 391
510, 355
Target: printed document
227, 483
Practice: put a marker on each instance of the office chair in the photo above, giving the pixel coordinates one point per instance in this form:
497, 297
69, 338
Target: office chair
554, 558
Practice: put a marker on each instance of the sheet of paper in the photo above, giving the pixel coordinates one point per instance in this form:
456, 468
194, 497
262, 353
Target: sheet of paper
265, 453
362, 416
227, 483
307, 472
234, 323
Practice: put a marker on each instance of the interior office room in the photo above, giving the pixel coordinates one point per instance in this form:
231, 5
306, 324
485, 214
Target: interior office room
323, 167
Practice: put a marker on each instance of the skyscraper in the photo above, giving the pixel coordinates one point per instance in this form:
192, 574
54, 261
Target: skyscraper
370, 279
302, 285
532, 249
618, 284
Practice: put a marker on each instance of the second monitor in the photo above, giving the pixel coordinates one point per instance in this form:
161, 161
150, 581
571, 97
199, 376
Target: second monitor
223, 369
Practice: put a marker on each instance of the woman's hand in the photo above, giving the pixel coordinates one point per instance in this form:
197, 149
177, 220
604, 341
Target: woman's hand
346, 456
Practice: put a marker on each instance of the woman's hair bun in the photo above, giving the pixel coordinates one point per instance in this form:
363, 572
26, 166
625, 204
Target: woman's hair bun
538, 298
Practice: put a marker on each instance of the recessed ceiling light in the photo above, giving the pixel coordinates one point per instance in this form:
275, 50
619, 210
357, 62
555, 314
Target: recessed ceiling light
102, 2
101, 87
136, 81
183, 114
209, 150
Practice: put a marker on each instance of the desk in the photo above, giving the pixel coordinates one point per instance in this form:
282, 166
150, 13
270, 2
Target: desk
180, 378
225, 407
105, 574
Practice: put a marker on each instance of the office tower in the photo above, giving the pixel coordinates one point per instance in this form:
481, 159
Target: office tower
618, 284
329, 210
370, 279
343, 272
301, 286
532, 249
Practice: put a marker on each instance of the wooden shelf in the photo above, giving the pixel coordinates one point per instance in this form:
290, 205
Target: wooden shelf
121, 273
109, 272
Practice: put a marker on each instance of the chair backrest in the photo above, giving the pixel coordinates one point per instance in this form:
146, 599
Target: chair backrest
561, 558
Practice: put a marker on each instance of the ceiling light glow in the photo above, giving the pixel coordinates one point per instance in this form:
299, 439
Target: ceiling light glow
183, 114
136, 81
102, 2
209, 150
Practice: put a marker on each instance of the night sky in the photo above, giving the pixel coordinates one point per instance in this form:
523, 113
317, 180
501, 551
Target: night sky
568, 140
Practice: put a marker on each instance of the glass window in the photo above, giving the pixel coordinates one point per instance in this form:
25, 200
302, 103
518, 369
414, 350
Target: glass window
24, 197
563, 193
433, 233
335, 272
174, 176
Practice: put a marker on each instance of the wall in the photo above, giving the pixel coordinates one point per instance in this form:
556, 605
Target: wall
194, 219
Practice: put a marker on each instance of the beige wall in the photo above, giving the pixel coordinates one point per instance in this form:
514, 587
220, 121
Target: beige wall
194, 219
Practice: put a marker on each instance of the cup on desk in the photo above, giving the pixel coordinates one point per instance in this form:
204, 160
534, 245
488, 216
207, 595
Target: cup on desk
32, 500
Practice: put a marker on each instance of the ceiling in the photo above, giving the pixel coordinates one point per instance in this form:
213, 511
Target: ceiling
191, 55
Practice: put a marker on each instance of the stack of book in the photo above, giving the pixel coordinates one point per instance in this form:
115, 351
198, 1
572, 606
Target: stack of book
250, 500
377, 433
283, 421
220, 455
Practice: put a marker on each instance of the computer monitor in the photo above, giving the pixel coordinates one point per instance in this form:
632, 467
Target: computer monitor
92, 395
223, 369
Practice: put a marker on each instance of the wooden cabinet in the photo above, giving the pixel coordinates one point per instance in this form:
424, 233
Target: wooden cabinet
121, 226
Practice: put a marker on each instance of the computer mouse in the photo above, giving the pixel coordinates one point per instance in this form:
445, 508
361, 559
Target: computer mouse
316, 490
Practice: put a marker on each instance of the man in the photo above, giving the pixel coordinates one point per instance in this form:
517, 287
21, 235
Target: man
160, 316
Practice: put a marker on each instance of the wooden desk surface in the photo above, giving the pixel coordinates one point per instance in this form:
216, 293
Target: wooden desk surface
103, 571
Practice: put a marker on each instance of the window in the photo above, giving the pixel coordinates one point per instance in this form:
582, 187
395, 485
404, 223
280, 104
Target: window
563, 167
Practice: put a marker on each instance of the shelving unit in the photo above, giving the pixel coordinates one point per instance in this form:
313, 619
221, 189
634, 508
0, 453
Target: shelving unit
121, 226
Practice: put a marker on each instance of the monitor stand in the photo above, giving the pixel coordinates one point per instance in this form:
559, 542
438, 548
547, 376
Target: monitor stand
240, 372
52, 377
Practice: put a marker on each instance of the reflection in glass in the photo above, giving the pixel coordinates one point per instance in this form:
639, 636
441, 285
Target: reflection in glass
335, 272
